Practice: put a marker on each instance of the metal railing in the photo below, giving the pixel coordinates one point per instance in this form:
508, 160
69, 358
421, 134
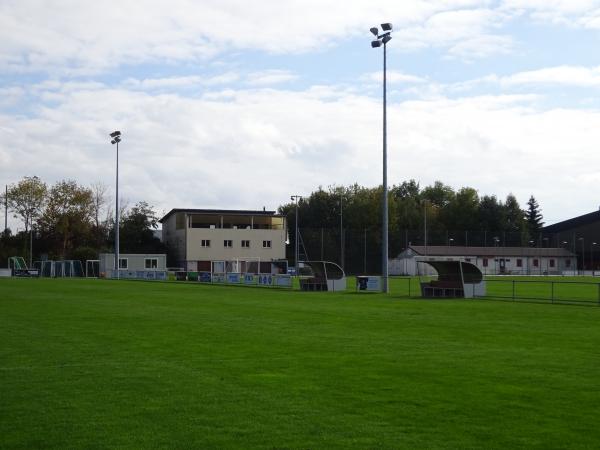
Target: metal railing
543, 290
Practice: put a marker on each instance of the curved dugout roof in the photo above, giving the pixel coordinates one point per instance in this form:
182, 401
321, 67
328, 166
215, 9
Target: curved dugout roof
455, 270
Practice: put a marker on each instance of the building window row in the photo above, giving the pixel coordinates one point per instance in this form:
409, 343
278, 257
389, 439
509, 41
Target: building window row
228, 243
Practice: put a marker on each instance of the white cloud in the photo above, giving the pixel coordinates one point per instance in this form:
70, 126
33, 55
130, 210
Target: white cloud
563, 75
270, 77
468, 33
393, 76
481, 47
181, 81
248, 149
584, 13
75, 38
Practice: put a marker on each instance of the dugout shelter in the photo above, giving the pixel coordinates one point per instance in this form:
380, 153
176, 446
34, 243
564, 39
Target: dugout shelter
455, 279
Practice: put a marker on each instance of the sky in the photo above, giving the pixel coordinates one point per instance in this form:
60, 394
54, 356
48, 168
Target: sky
239, 105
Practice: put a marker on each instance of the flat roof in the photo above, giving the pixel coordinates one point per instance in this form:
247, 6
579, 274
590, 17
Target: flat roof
228, 212
569, 224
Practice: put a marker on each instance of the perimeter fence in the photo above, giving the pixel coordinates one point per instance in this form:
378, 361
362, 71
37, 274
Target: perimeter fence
358, 251
539, 291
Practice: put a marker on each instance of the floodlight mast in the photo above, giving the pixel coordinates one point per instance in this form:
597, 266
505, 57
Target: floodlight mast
384, 39
296, 245
116, 138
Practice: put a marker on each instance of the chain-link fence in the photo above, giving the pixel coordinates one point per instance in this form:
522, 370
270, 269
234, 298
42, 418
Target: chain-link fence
359, 251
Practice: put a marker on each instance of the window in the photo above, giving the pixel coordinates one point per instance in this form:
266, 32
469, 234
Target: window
122, 263
228, 243
151, 263
551, 263
536, 263
485, 262
245, 244
266, 244
519, 262
205, 243
567, 263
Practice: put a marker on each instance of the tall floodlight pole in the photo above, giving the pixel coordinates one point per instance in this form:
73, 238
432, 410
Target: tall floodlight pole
384, 38
341, 232
31, 242
296, 246
115, 139
6, 209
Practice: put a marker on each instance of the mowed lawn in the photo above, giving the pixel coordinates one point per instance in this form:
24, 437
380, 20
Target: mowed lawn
109, 364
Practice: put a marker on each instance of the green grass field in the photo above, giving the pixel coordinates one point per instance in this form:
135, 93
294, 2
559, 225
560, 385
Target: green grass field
108, 364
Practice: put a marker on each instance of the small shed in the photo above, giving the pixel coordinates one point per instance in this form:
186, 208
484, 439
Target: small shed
456, 279
132, 262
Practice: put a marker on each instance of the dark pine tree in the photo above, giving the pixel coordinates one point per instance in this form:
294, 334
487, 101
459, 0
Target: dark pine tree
533, 217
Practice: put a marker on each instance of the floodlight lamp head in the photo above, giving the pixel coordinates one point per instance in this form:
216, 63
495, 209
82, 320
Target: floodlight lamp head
114, 134
374, 30
375, 44
386, 39
386, 26
116, 140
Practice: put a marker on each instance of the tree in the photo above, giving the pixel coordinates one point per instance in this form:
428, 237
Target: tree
461, 213
26, 199
491, 214
67, 219
439, 194
515, 216
136, 230
533, 217
99, 200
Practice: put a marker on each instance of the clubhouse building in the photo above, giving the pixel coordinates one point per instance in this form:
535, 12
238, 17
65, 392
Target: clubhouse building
490, 260
199, 238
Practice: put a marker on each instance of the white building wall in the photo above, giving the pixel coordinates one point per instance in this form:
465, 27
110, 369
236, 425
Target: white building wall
408, 266
217, 251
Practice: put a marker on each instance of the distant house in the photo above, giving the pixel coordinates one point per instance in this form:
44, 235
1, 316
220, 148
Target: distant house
490, 260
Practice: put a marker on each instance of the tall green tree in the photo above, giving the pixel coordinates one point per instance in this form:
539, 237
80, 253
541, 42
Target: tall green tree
26, 199
492, 216
533, 216
136, 230
68, 217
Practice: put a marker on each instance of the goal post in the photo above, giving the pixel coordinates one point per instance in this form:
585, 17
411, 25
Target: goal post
245, 264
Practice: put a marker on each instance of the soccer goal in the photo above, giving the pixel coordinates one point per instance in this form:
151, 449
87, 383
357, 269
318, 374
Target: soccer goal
68, 268
92, 268
244, 264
